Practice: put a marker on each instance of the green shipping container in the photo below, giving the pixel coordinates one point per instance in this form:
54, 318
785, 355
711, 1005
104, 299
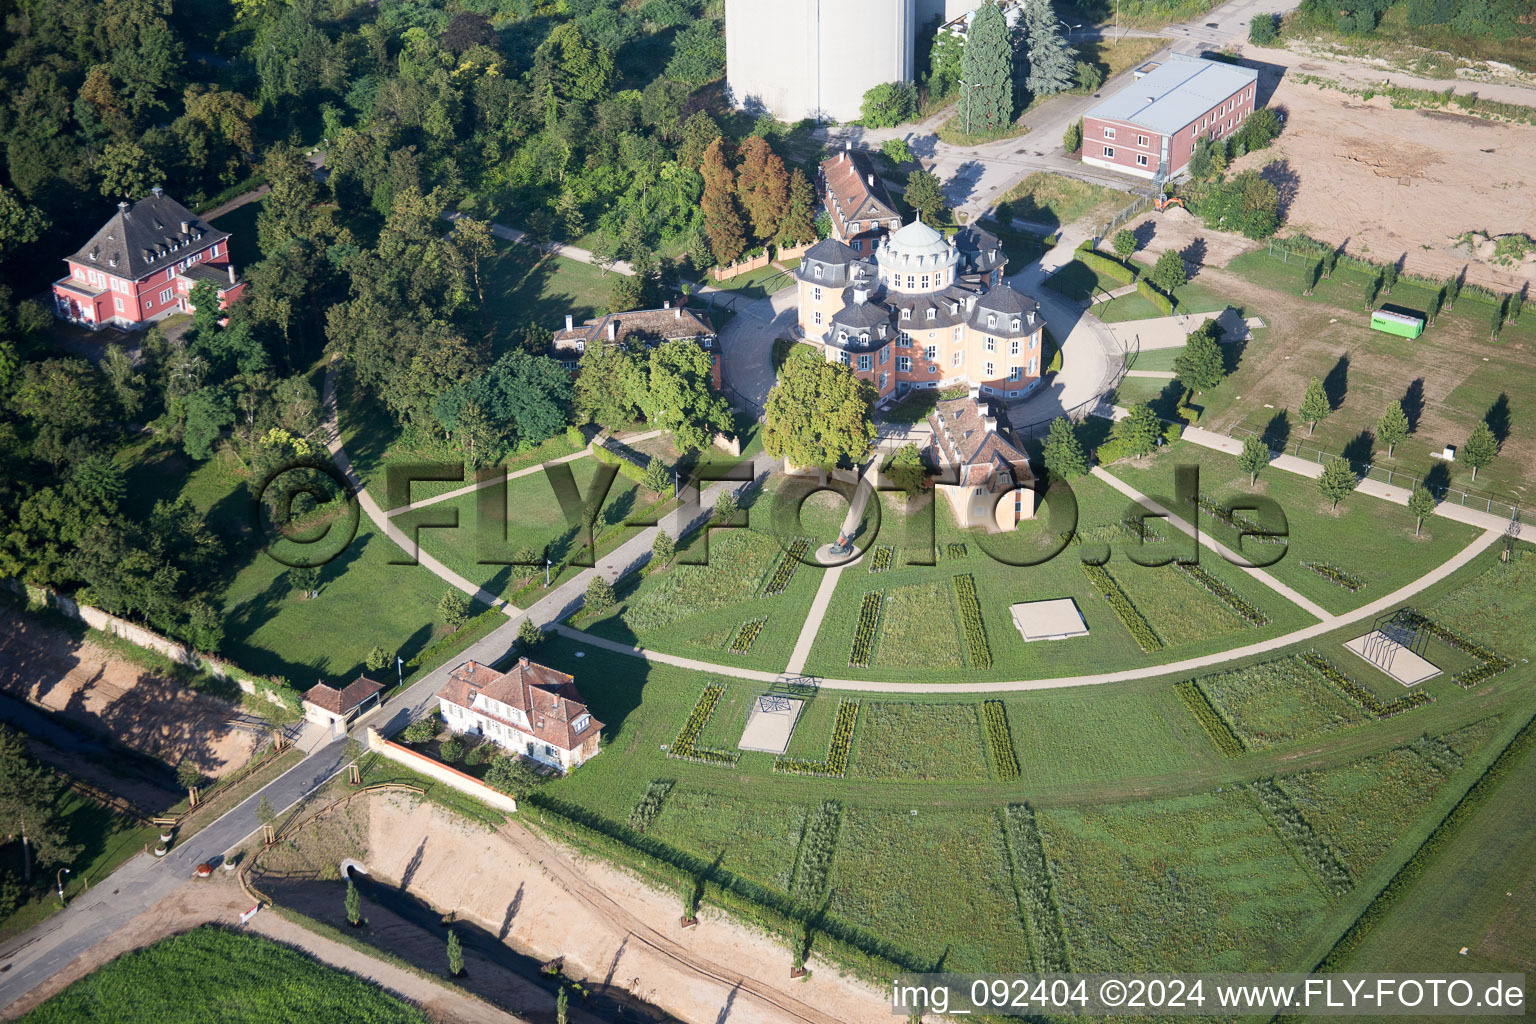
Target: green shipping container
1397, 323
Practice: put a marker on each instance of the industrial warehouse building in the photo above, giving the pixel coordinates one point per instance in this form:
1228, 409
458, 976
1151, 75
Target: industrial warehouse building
817, 58
1149, 128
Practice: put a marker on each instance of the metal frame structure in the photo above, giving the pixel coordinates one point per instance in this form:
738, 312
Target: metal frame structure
1390, 633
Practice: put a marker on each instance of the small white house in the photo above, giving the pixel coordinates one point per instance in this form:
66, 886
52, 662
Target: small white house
530, 709
331, 707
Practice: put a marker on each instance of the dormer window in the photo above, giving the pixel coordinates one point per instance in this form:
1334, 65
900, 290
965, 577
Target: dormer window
818, 270
581, 723
933, 314
991, 320
906, 314
1015, 323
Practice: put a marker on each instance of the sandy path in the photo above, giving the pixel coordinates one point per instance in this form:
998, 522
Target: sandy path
221, 899
1402, 183
610, 927
88, 684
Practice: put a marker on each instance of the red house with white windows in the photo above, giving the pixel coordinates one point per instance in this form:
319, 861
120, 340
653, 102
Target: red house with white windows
142, 266
1149, 128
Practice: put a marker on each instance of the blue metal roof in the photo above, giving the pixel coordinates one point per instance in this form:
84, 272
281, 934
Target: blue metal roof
1177, 92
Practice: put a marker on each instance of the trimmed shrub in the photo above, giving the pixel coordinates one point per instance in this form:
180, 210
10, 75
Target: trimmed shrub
686, 748
971, 621
1140, 629
1216, 727
746, 636
1104, 264
836, 763
785, 570
864, 631
1000, 740
1163, 303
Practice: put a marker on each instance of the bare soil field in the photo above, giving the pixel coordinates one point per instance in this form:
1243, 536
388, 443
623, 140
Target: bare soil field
1392, 183
545, 901
1181, 231
84, 683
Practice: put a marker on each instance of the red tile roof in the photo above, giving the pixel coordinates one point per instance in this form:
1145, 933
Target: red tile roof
547, 698
965, 440
343, 701
859, 194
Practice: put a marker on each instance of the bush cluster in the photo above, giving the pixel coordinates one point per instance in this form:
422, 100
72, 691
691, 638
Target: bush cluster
1141, 630
970, 620
1000, 740
686, 747
1342, 578
836, 764
864, 631
785, 570
649, 805
1366, 700
1300, 836
955, 551
881, 558
1216, 727
746, 636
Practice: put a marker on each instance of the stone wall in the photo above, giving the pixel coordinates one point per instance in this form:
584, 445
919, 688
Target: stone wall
434, 769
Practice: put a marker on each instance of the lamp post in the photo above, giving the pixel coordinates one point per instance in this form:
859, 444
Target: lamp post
400, 668
60, 879
547, 564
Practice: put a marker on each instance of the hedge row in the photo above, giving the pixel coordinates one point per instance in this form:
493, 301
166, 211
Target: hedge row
1363, 697
686, 748
1490, 662
1140, 629
1216, 727
746, 636
1163, 303
1298, 833
971, 621
836, 764
864, 631
626, 469
1033, 888
865, 954
1444, 832
813, 866
881, 558
1342, 578
433, 653
649, 805
785, 570
1103, 264
1223, 593
1000, 740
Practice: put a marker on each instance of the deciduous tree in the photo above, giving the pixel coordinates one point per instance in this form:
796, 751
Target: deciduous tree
1315, 406
1392, 428
680, 395
1421, 505
1254, 457
1201, 366
1481, 447
1338, 481
1065, 456
818, 414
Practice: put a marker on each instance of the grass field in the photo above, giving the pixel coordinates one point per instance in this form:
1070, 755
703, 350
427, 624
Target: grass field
918, 628
1196, 882
522, 287
1192, 297
897, 740
1055, 201
1278, 701
754, 839
1367, 536
213, 974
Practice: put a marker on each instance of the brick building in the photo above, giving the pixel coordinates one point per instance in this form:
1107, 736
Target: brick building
1149, 128
856, 201
142, 265
923, 311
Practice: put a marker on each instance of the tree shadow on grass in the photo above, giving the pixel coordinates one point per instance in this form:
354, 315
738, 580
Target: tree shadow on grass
1413, 403
1497, 418
1360, 451
1336, 384
1277, 432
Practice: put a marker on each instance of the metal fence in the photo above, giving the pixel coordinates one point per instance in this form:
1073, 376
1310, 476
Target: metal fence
1482, 501
1140, 203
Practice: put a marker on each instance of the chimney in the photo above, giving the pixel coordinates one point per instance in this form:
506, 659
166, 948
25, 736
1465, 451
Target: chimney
989, 424
568, 324
677, 314
860, 295
231, 273
123, 206
158, 191
871, 181
613, 330
522, 662
186, 227
667, 304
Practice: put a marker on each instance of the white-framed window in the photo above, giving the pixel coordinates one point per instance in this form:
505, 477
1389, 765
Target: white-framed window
843, 358
1016, 324
1015, 372
818, 270
933, 314
903, 339
1013, 347
1141, 140
864, 360
816, 293
906, 314
885, 355
956, 359
910, 281
990, 370
925, 282
931, 353
884, 377
955, 334
858, 246
991, 319
816, 317
165, 296
904, 364
1109, 152
1034, 340
1109, 132
1141, 159
990, 344
213, 251
117, 303
842, 337
932, 368
96, 278
1034, 367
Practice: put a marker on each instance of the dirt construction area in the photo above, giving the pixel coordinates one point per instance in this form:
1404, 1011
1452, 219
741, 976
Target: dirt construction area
88, 685
1393, 183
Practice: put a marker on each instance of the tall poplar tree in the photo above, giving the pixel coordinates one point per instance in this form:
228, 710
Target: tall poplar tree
986, 70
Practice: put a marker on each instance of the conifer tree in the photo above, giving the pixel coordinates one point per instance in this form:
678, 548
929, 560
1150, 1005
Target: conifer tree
986, 72
1052, 64
1064, 454
762, 185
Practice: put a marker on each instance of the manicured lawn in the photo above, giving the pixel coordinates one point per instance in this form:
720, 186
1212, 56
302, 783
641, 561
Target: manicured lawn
521, 287
1056, 200
211, 973
1190, 883
534, 521
1367, 536
1156, 359
758, 839
1080, 283
754, 284
1196, 621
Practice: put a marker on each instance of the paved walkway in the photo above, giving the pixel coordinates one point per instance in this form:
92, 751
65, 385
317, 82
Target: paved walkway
746, 347
570, 252
1153, 374
1375, 488
1159, 332
829, 578
381, 521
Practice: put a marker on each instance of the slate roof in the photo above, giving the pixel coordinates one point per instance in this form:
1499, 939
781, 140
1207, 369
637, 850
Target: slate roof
859, 194
345, 700
1005, 301
980, 250
836, 260
146, 236
1177, 92
548, 699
